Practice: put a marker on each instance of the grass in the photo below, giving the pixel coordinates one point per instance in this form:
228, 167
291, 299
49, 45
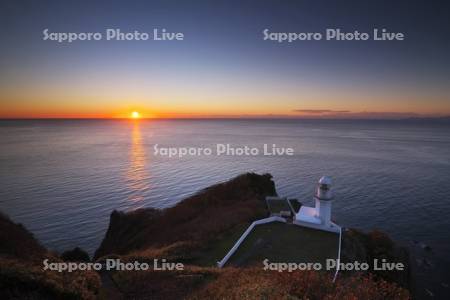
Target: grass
218, 249
280, 242
200, 219
277, 206
295, 205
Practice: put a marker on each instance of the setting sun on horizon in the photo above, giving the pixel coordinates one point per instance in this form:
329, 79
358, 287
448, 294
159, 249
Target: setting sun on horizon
135, 115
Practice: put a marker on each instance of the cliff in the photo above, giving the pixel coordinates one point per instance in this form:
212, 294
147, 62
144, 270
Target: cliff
21, 269
198, 231
16, 242
197, 220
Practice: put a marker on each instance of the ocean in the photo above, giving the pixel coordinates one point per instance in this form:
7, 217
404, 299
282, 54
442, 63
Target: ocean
63, 178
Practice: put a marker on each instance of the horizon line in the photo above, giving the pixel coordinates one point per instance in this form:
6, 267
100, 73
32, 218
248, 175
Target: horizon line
231, 118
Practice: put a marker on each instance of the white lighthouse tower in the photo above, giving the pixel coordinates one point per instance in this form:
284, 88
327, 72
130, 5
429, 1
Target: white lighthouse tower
319, 217
323, 198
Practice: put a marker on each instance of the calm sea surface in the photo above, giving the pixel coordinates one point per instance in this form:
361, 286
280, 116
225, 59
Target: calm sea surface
62, 179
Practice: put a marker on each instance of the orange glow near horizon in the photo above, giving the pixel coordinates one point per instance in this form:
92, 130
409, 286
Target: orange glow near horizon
232, 108
189, 101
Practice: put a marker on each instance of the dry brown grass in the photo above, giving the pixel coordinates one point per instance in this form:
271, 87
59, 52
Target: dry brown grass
21, 269
23, 280
253, 283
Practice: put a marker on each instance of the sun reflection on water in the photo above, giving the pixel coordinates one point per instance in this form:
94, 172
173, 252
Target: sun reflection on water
137, 174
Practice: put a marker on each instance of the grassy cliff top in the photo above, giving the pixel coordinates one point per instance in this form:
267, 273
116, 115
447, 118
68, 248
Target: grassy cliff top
197, 220
198, 231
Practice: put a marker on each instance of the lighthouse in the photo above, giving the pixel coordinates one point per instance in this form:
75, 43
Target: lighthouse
323, 199
319, 216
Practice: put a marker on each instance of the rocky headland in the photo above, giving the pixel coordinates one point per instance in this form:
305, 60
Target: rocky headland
196, 232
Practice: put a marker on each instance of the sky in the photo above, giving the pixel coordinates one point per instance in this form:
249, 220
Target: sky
223, 67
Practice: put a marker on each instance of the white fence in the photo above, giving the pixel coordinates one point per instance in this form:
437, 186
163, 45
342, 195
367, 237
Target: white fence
221, 263
339, 255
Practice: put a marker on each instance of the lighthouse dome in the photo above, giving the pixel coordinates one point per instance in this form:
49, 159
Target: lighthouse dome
326, 180
324, 189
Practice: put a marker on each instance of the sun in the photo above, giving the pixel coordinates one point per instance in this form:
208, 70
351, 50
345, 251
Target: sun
135, 115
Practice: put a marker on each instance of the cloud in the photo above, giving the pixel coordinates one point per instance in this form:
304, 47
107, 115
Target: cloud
321, 111
346, 114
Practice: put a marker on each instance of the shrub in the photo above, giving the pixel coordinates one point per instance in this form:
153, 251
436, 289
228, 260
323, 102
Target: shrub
76, 254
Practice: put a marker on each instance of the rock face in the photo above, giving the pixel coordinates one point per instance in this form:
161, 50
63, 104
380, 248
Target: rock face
196, 219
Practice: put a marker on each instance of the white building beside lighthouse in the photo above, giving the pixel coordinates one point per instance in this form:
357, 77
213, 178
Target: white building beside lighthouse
319, 216
283, 210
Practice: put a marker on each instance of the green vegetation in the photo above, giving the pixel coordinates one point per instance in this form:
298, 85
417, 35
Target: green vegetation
276, 206
281, 242
295, 204
215, 251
